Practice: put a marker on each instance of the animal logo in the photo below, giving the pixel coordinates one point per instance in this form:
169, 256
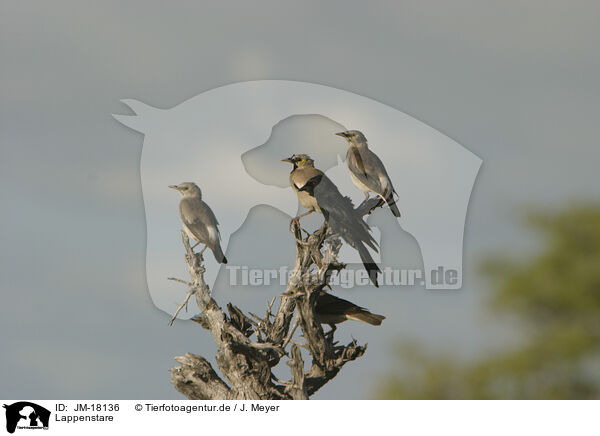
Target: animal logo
221, 140
25, 414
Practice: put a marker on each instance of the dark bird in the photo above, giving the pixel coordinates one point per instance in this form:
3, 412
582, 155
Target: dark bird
199, 221
367, 171
333, 310
317, 193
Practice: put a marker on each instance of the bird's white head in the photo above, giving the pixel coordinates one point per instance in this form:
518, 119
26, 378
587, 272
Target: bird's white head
188, 189
354, 137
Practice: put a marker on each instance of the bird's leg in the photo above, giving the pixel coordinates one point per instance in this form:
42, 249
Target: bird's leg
297, 221
198, 243
201, 251
329, 334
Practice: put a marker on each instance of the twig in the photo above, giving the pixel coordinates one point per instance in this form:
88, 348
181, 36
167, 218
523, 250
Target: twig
191, 291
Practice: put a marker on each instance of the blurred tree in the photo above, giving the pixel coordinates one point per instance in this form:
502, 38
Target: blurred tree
556, 298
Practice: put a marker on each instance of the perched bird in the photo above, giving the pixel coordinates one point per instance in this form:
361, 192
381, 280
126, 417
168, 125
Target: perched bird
333, 310
198, 220
367, 171
317, 193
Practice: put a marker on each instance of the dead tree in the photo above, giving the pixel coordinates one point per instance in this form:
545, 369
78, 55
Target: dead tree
250, 347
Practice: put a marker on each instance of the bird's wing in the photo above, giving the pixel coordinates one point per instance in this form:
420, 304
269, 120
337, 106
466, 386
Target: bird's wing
368, 168
355, 163
329, 306
200, 220
385, 182
340, 215
343, 220
332, 305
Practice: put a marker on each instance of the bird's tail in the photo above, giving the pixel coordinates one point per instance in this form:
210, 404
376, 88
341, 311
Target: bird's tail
391, 202
219, 256
356, 232
368, 317
394, 208
369, 263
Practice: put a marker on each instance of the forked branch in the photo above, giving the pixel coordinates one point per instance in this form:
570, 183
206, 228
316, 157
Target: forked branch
249, 349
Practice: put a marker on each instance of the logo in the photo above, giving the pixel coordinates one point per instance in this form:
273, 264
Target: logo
26, 415
230, 142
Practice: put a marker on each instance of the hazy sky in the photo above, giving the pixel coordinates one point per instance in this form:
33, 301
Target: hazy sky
515, 82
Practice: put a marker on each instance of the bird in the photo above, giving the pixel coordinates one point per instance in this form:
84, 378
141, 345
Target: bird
333, 310
367, 171
199, 221
318, 193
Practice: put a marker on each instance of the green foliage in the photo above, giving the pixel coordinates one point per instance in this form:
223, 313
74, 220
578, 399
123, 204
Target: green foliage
555, 296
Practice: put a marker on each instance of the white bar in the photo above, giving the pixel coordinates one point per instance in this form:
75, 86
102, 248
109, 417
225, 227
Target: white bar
366, 418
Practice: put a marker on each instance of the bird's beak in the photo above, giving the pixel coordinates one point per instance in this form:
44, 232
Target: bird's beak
287, 159
342, 134
174, 187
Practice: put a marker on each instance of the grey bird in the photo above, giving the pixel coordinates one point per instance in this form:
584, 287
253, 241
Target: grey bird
318, 193
333, 310
367, 171
199, 221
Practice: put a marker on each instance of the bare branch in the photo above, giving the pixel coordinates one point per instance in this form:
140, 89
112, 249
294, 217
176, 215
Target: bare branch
190, 292
248, 349
197, 380
296, 387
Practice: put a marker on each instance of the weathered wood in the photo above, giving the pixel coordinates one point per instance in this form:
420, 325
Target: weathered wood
248, 349
297, 389
196, 379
